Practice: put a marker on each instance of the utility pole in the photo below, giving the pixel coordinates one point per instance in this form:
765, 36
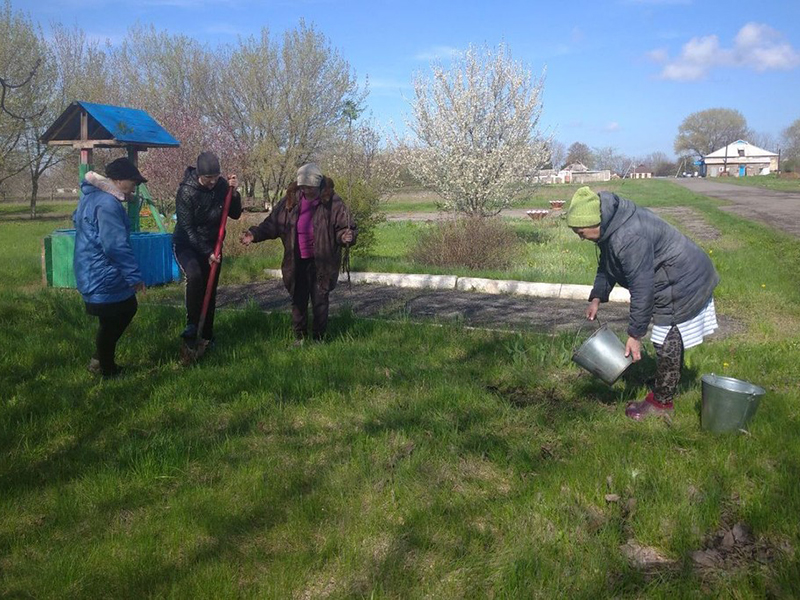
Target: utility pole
726, 159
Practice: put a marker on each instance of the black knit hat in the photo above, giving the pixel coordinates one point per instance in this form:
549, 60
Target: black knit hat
122, 169
208, 164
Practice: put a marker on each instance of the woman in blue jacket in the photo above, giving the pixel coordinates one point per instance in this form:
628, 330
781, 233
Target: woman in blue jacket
106, 270
670, 278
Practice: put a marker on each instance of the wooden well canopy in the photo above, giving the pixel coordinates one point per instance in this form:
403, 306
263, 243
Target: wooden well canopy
86, 125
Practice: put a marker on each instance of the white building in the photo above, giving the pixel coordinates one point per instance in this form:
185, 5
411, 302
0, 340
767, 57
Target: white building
641, 172
740, 159
579, 173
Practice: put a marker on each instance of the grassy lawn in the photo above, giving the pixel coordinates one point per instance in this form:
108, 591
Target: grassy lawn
396, 461
770, 182
414, 200
23, 209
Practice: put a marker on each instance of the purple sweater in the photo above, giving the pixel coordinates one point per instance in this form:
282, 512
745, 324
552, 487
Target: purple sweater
305, 227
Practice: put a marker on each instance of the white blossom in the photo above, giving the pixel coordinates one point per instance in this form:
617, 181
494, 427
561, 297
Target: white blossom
475, 128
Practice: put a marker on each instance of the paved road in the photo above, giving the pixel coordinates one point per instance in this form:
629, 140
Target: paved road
780, 210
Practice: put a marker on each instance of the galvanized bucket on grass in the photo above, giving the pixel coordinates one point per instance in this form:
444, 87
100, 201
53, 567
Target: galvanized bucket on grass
728, 404
603, 355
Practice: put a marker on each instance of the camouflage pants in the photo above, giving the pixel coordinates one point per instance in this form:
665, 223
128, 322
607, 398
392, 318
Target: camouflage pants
669, 363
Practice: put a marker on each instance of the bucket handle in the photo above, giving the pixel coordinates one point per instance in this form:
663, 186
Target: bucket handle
580, 328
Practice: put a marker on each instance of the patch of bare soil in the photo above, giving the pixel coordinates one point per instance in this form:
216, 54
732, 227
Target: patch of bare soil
691, 221
732, 548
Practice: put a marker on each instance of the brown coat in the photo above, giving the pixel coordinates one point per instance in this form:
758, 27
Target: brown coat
331, 220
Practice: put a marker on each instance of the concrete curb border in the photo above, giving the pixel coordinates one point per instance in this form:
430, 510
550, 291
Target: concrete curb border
564, 291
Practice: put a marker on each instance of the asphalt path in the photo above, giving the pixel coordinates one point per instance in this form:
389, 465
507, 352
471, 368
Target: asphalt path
780, 210
470, 309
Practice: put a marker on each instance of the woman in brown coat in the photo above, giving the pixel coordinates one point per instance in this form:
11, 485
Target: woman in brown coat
313, 224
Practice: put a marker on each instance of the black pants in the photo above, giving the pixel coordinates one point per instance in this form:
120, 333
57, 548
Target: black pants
669, 365
114, 319
305, 285
196, 270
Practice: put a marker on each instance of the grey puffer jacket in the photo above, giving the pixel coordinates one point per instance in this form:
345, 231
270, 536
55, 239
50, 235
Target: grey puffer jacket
669, 277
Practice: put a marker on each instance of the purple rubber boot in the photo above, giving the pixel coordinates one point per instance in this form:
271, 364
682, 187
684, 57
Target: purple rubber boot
649, 407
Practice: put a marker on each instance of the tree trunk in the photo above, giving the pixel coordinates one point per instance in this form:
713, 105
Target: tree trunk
34, 193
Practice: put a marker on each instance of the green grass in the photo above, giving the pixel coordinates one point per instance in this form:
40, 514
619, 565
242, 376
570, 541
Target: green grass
770, 182
396, 461
23, 210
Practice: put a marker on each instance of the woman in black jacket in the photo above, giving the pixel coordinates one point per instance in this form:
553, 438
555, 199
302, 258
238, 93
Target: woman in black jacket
671, 281
198, 205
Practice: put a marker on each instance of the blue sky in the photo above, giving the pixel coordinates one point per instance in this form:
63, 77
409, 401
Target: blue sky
620, 73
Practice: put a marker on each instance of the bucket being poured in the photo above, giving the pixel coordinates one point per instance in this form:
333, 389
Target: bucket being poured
728, 404
603, 355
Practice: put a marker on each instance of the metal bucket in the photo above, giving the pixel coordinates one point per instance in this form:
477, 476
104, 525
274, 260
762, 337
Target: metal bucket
728, 404
603, 355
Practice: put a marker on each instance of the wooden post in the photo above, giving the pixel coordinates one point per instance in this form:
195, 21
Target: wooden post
133, 205
86, 153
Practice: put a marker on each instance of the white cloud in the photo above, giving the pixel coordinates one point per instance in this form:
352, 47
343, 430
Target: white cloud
612, 126
659, 55
437, 53
756, 46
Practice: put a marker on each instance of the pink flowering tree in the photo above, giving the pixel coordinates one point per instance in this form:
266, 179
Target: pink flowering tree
165, 167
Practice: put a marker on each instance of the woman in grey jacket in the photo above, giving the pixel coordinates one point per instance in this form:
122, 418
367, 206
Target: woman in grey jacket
671, 281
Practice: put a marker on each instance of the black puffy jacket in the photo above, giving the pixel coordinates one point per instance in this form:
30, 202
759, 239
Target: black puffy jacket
670, 278
199, 211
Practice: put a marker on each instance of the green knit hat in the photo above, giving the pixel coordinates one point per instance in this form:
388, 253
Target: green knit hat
584, 209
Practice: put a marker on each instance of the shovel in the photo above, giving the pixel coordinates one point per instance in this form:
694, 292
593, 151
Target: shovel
192, 351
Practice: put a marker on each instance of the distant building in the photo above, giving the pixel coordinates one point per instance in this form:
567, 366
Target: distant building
547, 176
580, 173
740, 159
641, 172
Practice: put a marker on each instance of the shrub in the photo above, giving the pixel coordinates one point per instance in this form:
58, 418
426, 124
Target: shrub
364, 202
472, 242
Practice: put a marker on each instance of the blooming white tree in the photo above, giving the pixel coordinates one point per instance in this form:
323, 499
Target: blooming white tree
476, 128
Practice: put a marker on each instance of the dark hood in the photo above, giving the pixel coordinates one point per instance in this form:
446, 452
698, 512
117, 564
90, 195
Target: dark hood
190, 179
614, 213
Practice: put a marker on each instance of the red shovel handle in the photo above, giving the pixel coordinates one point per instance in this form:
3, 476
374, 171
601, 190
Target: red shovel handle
215, 265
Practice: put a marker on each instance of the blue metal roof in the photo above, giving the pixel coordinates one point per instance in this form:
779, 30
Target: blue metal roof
129, 126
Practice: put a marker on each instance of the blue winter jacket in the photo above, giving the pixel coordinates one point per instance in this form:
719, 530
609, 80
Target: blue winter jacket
105, 267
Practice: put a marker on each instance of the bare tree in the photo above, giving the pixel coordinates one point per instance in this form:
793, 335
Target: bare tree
475, 126
762, 139
73, 69
660, 164
579, 152
365, 168
791, 145
20, 60
283, 100
707, 130
608, 157
558, 154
